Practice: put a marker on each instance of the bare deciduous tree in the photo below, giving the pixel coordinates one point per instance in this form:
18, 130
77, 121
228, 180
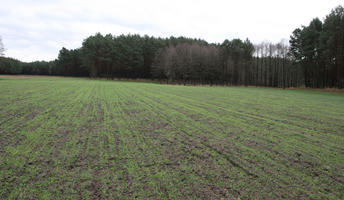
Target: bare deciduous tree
2, 48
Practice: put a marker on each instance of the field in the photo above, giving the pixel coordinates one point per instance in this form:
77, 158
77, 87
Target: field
70, 138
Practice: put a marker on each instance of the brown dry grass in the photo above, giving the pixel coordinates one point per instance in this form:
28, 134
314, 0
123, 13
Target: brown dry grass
22, 76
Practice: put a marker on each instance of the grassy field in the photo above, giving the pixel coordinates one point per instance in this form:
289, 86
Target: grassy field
69, 138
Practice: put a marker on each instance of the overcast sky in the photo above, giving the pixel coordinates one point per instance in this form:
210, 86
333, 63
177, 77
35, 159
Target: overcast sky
38, 29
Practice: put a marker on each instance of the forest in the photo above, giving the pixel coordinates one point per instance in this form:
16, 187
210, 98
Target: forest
313, 57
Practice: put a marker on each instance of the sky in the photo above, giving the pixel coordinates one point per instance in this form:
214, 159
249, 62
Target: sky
37, 29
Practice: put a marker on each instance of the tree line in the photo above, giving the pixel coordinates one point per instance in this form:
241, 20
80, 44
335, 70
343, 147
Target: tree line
319, 49
313, 58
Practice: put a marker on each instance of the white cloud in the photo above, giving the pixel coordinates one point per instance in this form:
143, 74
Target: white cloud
37, 30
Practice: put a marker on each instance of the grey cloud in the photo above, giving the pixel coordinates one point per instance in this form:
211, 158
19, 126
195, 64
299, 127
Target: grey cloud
36, 29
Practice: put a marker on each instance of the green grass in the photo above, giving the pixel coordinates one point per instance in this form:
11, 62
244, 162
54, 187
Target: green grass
69, 138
